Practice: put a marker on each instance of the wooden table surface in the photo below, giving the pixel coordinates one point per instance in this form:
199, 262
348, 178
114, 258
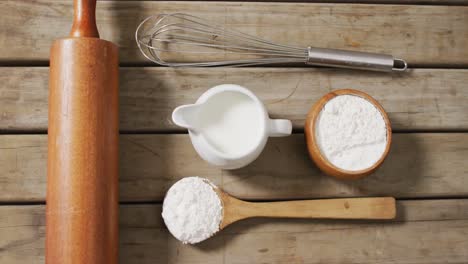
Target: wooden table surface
427, 169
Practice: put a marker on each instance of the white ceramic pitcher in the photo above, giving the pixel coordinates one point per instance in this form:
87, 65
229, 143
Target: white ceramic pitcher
252, 137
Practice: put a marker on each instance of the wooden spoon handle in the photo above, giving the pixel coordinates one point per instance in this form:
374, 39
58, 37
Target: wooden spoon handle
84, 19
352, 208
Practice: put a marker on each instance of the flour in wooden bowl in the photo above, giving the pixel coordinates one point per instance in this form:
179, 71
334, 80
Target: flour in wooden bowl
351, 133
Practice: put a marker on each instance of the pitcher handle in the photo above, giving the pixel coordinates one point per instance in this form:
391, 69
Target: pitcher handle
280, 127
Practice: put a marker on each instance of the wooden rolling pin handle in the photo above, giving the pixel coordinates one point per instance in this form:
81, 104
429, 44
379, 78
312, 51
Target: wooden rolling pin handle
84, 19
355, 208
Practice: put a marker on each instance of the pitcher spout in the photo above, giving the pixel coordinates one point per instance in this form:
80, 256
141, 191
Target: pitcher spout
185, 116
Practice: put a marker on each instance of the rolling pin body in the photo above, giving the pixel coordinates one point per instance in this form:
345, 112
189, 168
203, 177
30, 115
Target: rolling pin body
82, 169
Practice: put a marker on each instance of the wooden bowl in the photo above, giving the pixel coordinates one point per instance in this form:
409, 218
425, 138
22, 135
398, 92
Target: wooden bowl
314, 150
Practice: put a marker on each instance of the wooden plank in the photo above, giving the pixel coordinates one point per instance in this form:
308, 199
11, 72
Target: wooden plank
419, 165
409, 2
423, 99
426, 231
424, 35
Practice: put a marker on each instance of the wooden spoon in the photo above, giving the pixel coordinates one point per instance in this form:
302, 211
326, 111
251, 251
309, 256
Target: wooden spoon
378, 208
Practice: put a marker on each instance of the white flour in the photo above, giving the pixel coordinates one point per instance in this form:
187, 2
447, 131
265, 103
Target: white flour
351, 133
192, 210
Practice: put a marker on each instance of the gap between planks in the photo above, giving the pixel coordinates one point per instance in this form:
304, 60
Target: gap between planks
376, 2
414, 66
160, 202
176, 132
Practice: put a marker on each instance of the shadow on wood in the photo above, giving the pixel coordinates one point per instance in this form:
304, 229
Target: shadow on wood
277, 166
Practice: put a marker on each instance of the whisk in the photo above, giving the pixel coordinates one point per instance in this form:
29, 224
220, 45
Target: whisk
183, 40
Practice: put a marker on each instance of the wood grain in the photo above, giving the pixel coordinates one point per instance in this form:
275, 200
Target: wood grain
423, 99
83, 137
363, 208
423, 35
425, 231
418, 165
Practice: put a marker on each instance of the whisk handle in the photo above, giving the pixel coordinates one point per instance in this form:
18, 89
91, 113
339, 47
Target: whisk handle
84, 19
354, 60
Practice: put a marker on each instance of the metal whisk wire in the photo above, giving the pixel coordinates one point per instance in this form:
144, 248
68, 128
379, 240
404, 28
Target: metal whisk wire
186, 34
182, 40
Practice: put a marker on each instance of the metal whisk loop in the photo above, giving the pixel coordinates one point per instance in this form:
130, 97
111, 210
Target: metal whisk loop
179, 40
186, 34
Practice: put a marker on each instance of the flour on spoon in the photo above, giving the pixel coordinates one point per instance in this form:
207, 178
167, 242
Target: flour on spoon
192, 210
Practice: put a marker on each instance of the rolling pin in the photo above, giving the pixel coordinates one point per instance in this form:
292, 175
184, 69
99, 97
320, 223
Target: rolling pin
82, 167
